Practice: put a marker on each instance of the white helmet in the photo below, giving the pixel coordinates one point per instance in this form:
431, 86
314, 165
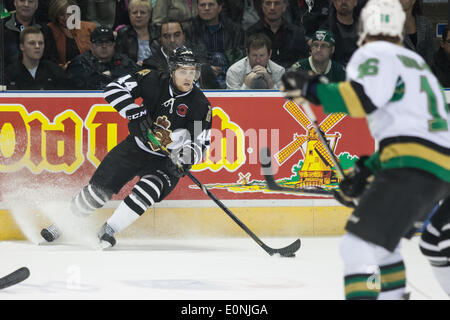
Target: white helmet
381, 17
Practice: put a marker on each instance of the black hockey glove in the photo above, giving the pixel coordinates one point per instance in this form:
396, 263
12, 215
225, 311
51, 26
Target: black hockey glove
356, 181
301, 83
343, 199
139, 123
180, 162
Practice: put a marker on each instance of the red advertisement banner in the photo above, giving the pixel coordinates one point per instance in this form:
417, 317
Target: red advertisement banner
59, 139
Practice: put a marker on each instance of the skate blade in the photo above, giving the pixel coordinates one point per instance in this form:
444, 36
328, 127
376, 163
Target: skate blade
104, 245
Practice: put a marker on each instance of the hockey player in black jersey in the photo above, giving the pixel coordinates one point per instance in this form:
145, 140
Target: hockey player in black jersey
177, 114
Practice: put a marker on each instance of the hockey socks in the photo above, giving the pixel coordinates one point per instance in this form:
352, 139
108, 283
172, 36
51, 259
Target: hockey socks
122, 217
393, 281
362, 286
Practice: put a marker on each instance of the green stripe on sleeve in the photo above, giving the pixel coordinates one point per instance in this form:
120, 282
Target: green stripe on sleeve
330, 96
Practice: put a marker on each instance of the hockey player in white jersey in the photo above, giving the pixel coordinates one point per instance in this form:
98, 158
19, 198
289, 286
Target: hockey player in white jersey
410, 172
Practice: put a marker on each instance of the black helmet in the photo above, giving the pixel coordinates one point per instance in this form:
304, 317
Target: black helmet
182, 56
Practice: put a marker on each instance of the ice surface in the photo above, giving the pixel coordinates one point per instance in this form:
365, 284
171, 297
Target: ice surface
203, 269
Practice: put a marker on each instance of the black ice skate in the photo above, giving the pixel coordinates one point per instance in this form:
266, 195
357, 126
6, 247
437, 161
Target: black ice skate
51, 233
106, 236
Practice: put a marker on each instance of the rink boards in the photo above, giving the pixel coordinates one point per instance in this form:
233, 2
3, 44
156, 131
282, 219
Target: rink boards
52, 142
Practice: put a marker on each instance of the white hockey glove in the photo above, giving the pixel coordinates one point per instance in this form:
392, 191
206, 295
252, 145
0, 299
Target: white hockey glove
180, 162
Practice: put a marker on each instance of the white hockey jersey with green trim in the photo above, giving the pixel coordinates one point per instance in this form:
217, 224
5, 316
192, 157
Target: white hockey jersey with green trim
408, 96
404, 104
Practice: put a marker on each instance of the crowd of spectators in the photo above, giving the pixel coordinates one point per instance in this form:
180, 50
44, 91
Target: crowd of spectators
243, 44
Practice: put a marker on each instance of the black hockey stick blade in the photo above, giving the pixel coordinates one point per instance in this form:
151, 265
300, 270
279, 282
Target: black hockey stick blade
288, 251
14, 278
266, 165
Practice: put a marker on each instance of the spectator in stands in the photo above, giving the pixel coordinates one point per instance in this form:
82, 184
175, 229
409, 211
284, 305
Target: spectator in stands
121, 17
134, 39
23, 16
94, 69
315, 15
288, 40
441, 60
223, 39
343, 23
322, 48
171, 37
71, 39
178, 10
248, 12
101, 12
242, 12
419, 32
33, 72
256, 69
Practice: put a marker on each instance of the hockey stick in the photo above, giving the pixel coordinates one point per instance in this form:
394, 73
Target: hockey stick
288, 251
266, 165
306, 106
14, 277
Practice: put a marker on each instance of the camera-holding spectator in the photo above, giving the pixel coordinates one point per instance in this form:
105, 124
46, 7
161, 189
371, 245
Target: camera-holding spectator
224, 40
32, 72
288, 40
134, 39
172, 36
441, 60
419, 32
320, 62
94, 69
70, 40
343, 22
256, 69
23, 17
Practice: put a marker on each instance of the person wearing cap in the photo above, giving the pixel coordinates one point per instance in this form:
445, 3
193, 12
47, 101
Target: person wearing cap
320, 62
94, 69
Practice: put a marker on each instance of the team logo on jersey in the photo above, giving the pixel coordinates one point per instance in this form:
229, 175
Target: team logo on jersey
161, 132
182, 110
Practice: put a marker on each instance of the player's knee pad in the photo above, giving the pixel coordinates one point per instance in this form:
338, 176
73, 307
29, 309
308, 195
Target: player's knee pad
361, 273
145, 193
368, 267
435, 245
358, 254
89, 199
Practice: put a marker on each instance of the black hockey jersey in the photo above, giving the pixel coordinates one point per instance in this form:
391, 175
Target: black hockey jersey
179, 120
